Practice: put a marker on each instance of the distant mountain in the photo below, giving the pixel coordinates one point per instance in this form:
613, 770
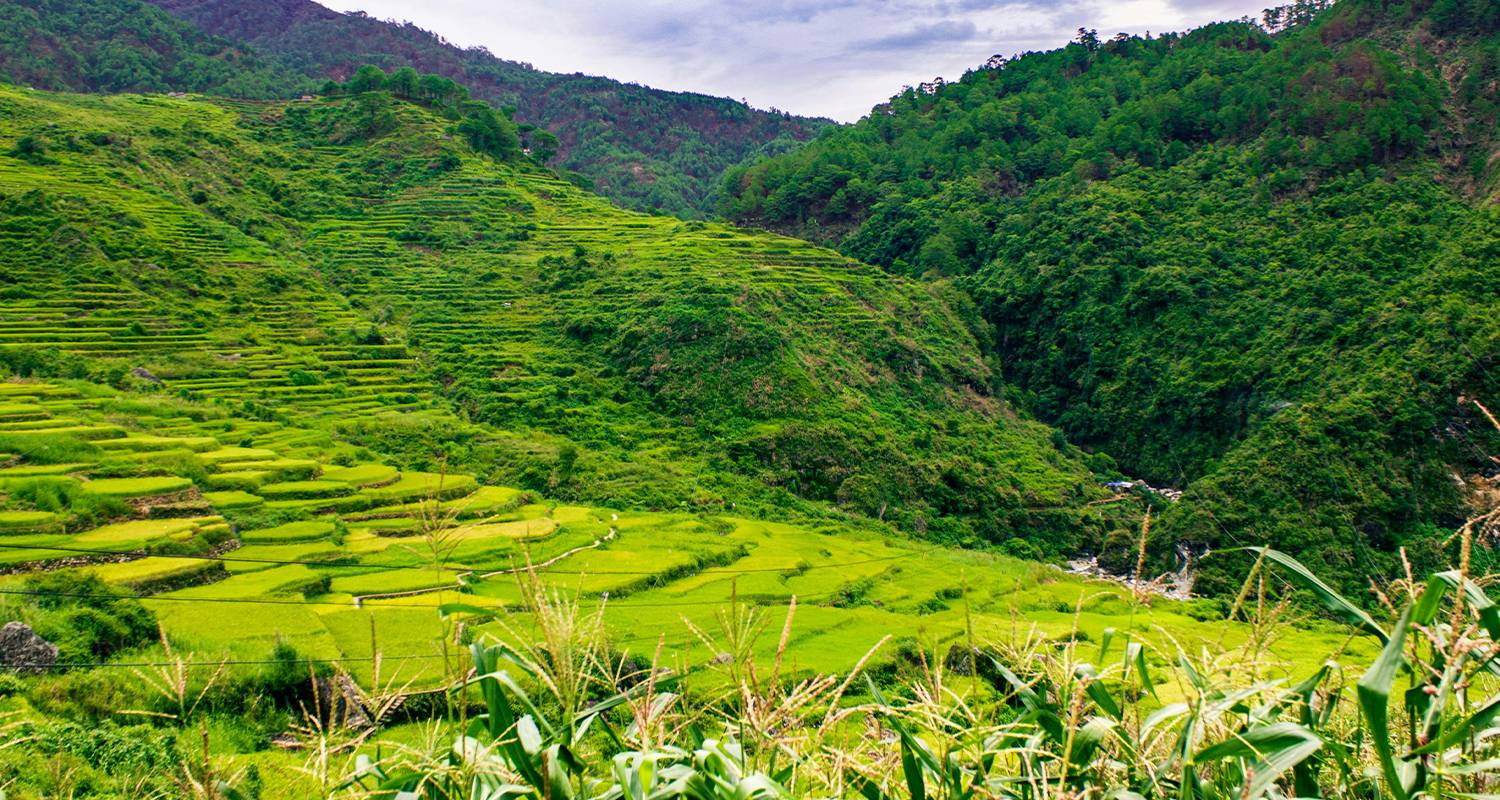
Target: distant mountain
1257, 261
129, 46
645, 148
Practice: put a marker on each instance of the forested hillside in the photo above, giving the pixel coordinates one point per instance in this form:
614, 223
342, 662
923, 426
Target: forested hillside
130, 46
1254, 261
248, 251
644, 148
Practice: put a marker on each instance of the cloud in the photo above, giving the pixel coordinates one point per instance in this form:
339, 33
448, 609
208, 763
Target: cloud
922, 36
835, 58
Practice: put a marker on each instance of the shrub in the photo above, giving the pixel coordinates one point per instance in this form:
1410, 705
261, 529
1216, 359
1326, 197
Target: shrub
65, 496
1020, 548
11, 684
83, 617
287, 680
50, 449
108, 747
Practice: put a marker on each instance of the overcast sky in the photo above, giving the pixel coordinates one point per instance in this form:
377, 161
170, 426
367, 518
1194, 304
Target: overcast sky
832, 58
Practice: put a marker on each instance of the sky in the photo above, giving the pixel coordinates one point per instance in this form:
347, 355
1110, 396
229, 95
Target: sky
824, 58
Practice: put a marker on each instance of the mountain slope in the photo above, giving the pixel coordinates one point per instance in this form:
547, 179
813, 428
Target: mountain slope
1258, 266
645, 148
128, 46
350, 262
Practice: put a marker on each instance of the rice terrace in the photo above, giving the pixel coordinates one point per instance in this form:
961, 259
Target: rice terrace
381, 417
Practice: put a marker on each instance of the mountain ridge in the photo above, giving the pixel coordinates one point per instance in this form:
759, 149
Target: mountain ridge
1248, 263
666, 164
646, 148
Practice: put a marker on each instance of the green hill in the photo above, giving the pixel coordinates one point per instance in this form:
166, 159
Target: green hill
1257, 266
129, 46
350, 262
645, 148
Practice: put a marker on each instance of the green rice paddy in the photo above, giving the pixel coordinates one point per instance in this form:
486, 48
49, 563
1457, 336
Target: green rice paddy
241, 574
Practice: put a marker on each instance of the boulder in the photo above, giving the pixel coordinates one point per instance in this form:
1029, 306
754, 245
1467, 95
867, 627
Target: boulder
23, 651
145, 375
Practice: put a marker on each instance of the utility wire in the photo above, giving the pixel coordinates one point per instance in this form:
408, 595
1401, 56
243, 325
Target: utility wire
264, 661
623, 602
214, 663
339, 563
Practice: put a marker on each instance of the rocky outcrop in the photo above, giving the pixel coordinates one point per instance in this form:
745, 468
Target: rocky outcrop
23, 651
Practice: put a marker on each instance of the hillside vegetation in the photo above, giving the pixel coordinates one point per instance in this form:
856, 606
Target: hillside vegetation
644, 148
268, 554
128, 46
1255, 265
354, 253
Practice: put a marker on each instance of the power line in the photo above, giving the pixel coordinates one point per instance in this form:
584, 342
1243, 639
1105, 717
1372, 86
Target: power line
231, 559
336, 563
265, 661
622, 601
215, 663
259, 601
794, 568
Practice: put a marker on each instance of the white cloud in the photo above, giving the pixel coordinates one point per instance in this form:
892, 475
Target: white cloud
834, 58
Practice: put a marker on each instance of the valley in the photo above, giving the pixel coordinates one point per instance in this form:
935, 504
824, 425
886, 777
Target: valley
1099, 424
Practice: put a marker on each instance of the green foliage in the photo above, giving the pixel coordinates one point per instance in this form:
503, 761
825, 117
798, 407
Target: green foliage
110, 748
647, 149
48, 449
1238, 261
80, 614
1038, 717
98, 760
604, 355
487, 131
128, 46
65, 497
287, 680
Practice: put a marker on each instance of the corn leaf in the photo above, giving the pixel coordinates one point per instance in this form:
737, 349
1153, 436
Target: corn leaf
1331, 599
1271, 750
1374, 692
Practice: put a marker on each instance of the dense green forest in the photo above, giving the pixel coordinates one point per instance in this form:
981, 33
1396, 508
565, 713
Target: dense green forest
645, 148
127, 46
1257, 264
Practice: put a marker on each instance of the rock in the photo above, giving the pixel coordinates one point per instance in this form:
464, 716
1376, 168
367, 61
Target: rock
145, 375
23, 651
342, 704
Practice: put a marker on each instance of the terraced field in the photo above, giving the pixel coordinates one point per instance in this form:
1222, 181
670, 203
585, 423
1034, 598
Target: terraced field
399, 291
325, 547
282, 381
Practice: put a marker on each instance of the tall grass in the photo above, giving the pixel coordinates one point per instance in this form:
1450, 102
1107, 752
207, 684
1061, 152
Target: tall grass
1031, 718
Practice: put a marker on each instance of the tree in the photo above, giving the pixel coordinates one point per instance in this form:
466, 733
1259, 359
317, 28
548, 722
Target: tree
403, 83
487, 131
543, 145
373, 115
368, 78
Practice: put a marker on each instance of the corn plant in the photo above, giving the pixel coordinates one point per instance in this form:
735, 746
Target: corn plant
1040, 719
